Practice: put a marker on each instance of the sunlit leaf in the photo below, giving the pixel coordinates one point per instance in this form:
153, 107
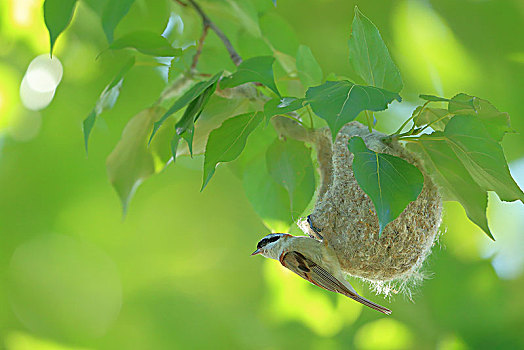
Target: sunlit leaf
131, 162
227, 141
391, 182
309, 71
283, 105
146, 42
455, 181
57, 16
289, 163
436, 117
257, 69
113, 13
497, 123
185, 99
339, 102
106, 100
482, 156
370, 57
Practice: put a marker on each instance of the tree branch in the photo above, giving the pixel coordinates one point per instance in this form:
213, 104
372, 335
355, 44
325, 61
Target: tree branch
235, 57
200, 45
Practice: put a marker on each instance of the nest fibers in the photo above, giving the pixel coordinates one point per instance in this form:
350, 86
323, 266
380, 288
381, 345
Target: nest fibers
345, 216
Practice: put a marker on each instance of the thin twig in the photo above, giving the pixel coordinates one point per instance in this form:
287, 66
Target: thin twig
235, 57
181, 3
200, 46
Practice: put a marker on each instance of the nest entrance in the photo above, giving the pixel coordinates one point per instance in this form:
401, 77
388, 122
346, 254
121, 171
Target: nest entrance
347, 219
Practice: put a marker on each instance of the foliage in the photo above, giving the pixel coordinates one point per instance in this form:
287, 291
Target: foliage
462, 152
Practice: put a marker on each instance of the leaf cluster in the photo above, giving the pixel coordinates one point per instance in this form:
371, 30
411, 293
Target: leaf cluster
236, 118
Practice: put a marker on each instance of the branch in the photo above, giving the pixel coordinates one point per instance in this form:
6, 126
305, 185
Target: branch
235, 57
200, 45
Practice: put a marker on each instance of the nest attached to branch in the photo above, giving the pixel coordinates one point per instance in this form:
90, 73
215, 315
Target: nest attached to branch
346, 217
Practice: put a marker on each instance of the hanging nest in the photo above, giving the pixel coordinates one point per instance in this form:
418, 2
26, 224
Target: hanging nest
345, 216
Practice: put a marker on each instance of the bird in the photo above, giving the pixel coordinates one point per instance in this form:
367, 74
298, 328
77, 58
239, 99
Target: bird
314, 261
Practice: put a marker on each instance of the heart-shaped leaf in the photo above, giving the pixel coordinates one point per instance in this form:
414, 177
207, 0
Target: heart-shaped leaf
497, 123
456, 182
482, 156
146, 42
391, 182
257, 69
339, 102
370, 57
114, 11
57, 16
227, 141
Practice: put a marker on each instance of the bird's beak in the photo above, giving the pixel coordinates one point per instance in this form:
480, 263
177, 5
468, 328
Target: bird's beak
258, 251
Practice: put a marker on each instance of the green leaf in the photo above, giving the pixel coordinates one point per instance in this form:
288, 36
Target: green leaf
146, 42
278, 106
456, 182
497, 123
57, 16
433, 98
482, 156
339, 102
106, 100
289, 163
436, 117
257, 69
186, 98
391, 182
184, 128
309, 72
227, 141
131, 162
113, 13
370, 57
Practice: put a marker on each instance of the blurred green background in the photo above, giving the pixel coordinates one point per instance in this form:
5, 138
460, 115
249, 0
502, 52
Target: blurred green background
176, 272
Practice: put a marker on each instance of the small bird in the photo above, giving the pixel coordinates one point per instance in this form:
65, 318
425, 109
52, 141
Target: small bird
312, 260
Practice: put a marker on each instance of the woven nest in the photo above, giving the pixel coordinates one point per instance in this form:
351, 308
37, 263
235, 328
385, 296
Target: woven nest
346, 217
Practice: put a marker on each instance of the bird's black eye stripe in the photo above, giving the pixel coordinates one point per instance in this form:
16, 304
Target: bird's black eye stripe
265, 241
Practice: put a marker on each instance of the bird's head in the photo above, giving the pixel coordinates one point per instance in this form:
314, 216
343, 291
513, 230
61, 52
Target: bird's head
271, 245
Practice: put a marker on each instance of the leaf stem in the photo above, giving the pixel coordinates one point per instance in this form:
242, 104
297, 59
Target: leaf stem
433, 122
311, 124
414, 117
370, 122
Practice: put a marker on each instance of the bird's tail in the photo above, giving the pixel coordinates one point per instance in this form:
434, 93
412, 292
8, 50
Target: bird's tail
369, 303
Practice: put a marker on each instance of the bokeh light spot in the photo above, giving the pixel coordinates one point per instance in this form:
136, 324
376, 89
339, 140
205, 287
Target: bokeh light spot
44, 73
427, 50
64, 288
384, 334
293, 299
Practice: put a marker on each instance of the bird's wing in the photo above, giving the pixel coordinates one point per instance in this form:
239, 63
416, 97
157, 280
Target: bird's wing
311, 271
